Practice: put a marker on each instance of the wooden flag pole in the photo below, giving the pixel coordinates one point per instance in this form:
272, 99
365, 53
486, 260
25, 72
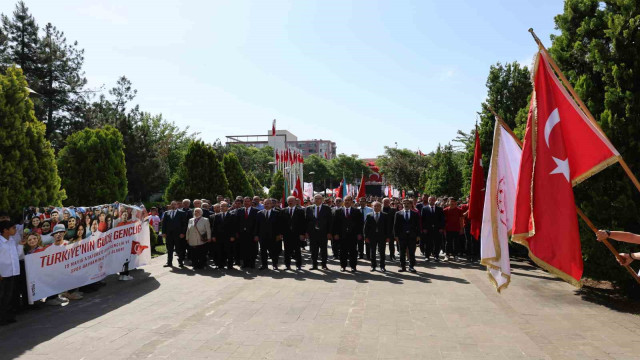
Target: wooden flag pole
578, 210
582, 106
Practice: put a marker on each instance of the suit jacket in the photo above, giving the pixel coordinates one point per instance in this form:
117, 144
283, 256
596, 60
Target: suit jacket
175, 225
347, 226
292, 226
245, 225
196, 231
391, 212
267, 228
320, 226
223, 226
188, 212
377, 230
432, 220
406, 229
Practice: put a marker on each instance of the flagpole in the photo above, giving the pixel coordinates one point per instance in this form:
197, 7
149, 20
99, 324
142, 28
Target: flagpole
578, 210
582, 106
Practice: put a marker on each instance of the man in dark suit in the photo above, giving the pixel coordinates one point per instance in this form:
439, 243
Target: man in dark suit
246, 222
293, 224
347, 229
406, 230
391, 215
319, 219
174, 228
223, 233
432, 228
377, 234
268, 233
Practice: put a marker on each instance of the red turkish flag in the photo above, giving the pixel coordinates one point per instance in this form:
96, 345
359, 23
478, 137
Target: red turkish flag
476, 196
136, 248
273, 128
561, 148
277, 157
297, 192
362, 190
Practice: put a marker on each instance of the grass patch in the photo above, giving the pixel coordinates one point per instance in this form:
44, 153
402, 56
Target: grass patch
159, 250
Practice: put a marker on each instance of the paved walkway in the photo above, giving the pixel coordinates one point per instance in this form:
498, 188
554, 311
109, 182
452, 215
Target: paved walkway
447, 311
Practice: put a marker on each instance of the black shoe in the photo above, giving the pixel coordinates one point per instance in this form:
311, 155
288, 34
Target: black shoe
167, 265
181, 265
437, 259
368, 257
299, 268
324, 267
263, 267
275, 267
372, 269
353, 270
361, 256
314, 267
288, 267
402, 270
412, 270
343, 269
383, 269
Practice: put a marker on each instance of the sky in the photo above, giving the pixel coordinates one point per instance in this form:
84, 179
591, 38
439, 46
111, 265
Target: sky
365, 74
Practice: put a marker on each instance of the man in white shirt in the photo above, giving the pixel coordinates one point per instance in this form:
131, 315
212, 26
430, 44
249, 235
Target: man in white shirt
9, 271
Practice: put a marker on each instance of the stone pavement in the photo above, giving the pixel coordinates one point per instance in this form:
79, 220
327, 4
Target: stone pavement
446, 311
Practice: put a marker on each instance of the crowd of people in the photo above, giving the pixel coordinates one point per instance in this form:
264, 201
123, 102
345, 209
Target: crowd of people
40, 228
236, 233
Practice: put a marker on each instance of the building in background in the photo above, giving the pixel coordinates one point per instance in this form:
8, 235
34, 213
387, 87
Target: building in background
285, 139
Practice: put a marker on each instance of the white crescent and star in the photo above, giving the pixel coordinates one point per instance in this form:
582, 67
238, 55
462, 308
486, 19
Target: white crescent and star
562, 166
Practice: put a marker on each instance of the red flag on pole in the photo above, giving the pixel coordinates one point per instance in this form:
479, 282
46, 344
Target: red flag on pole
390, 193
273, 128
277, 157
561, 148
403, 195
476, 196
325, 155
362, 189
340, 189
297, 192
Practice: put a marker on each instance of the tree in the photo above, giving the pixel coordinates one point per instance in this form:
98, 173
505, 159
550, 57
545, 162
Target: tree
238, 183
403, 168
443, 176
256, 186
598, 53
348, 166
254, 160
277, 186
321, 173
26, 157
201, 175
92, 167
21, 34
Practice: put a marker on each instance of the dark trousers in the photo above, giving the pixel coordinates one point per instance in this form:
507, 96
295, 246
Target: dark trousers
361, 247
292, 250
199, 256
174, 242
248, 250
473, 245
407, 243
319, 245
432, 242
7, 298
335, 248
380, 247
20, 294
348, 252
452, 239
269, 249
392, 248
228, 252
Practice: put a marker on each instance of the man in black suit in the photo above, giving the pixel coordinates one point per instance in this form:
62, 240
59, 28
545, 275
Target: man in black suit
347, 229
174, 228
246, 223
432, 228
319, 219
391, 215
377, 234
293, 224
268, 233
223, 233
406, 229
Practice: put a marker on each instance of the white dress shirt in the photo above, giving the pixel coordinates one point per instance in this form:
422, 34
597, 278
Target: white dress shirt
9, 260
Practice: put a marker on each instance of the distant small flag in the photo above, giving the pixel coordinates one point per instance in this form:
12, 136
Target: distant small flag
273, 128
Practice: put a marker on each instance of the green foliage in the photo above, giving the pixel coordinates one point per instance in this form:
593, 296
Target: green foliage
29, 172
201, 175
254, 160
277, 186
92, 167
153, 237
348, 166
238, 183
402, 168
443, 176
598, 52
321, 172
256, 186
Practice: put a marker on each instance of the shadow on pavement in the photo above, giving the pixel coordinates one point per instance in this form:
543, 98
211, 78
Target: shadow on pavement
43, 323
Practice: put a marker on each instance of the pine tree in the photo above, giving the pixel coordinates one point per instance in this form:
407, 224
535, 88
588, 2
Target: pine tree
255, 185
30, 175
443, 177
22, 38
93, 168
200, 176
277, 186
238, 183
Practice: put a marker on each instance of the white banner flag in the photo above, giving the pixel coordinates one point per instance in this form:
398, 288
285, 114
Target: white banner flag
58, 268
308, 191
499, 201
